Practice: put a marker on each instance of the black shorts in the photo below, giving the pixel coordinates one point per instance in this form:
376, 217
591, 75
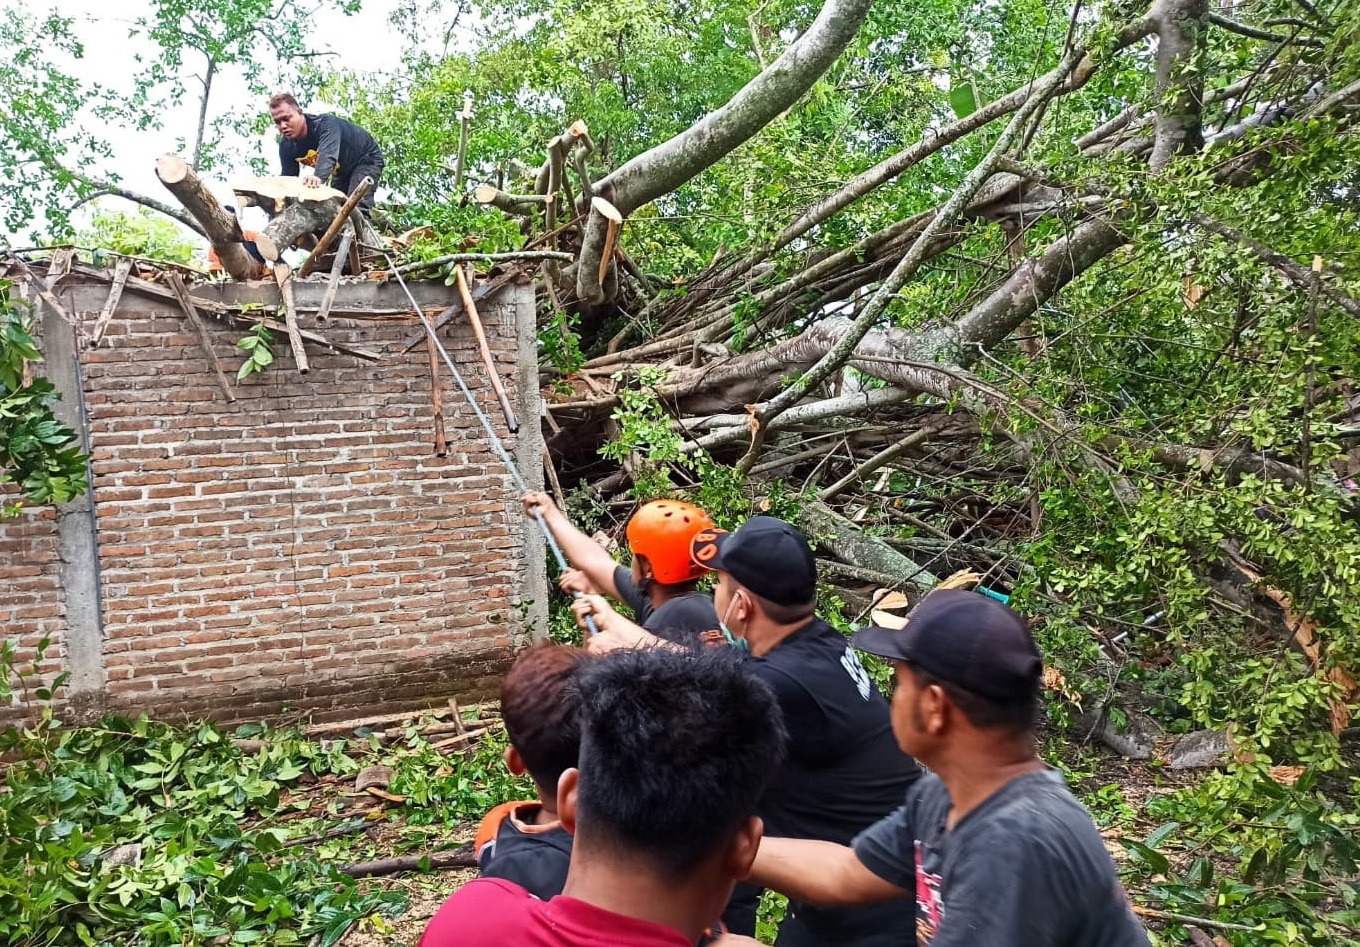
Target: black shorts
367, 168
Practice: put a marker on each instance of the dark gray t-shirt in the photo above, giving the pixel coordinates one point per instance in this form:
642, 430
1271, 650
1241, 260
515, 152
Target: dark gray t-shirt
688, 620
1027, 868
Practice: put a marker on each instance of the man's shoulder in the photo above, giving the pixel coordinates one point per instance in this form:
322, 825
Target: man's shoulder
692, 612
1036, 817
498, 910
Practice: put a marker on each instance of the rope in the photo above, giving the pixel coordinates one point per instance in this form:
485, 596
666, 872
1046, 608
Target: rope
497, 445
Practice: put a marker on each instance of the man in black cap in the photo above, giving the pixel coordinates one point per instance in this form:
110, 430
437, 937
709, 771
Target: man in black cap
997, 850
844, 770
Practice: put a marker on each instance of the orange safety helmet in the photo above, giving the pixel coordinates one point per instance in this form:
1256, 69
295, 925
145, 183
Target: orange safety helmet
662, 531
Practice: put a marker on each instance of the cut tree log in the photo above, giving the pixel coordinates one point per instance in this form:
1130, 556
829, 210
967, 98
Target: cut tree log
296, 210
221, 227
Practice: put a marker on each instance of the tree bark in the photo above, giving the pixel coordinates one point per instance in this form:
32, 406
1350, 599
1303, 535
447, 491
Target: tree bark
294, 222
1179, 84
220, 227
662, 169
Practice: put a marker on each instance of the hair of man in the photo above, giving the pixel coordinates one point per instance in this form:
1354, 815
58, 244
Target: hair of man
782, 614
1015, 717
676, 750
283, 98
540, 709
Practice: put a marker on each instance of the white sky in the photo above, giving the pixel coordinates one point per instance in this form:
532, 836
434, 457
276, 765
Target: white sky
366, 42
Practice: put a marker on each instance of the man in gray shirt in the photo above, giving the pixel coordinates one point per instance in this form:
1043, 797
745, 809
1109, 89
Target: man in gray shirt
996, 849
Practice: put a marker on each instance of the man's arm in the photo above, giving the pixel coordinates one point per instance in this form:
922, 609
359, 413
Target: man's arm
615, 632
819, 872
581, 551
287, 160
327, 147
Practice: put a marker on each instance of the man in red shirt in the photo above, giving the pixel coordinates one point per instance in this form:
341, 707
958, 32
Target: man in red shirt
675, 753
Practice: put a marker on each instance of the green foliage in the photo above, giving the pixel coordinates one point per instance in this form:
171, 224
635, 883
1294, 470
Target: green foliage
1243, 848
37, 451
258, 354
139, 233
218, 831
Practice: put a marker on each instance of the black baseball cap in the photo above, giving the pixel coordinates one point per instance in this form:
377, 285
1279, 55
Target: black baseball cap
965, 639
766, 555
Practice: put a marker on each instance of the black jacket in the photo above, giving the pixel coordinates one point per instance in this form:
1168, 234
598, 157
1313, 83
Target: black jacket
332, 146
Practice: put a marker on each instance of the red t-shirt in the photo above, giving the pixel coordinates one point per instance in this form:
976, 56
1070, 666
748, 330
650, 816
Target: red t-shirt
490, 912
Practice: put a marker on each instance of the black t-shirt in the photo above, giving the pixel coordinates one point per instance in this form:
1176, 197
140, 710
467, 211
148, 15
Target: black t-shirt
332, 146
688, 620
844, 770
535, 859
1026, 868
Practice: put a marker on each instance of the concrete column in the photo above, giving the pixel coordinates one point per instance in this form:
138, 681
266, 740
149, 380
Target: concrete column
528, 456
77, 537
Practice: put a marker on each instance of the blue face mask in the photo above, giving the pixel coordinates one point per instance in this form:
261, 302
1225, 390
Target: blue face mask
732, 639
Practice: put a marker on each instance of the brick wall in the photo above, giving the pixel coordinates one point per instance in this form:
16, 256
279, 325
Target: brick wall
302, 547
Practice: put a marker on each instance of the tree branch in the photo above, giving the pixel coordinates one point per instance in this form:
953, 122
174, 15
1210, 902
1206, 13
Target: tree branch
910, 263
1180, 85
662, 169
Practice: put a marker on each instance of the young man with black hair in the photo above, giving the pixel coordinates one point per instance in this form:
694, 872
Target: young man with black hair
660, 586
844, 770
997, 850
675, 753
525, 842
341, 153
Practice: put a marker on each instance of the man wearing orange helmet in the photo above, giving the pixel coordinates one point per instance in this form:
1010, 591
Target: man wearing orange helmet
660, 586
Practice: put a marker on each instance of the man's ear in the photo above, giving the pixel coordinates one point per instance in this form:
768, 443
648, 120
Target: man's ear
567, 786
935, 709
741, 853
514, 762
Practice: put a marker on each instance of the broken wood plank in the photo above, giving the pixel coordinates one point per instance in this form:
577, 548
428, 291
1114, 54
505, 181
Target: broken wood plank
187, 304
120, 277
441, 444
219, 311
283, 275
324, 312
340, 220
484, 291
470, 307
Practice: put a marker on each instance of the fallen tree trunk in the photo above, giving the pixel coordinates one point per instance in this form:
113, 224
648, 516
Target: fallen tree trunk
220, 227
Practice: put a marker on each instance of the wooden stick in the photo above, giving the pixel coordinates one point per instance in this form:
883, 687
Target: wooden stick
355, 264
471, 308
614, 223
283, 275
120, 276
1187, 919
484, 291
328, 299
187, 304
346, 726
464, 126
459, 738
441, 444
461, 858
337, 224
532, 256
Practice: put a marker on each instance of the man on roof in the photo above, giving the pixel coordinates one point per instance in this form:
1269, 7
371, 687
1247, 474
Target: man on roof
660, 586
339, 152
